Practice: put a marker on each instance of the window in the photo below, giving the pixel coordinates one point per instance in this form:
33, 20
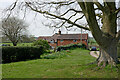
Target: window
51, 41
52, 47
74, 40
61, 40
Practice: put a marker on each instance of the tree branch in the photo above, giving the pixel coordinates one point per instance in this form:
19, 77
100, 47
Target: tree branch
13, 5
99, 15
62, 18
117, 11
82, 5
118, 35
61, 3
92, 22
78, 18
118, 16
99, 5
110, 6
71, 10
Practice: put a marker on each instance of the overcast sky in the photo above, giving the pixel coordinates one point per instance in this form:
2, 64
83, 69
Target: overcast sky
36, 27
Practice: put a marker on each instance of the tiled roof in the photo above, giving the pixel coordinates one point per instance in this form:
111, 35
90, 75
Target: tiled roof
64, 36
72, 36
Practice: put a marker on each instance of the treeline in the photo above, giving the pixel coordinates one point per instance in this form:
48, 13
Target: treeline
23, 39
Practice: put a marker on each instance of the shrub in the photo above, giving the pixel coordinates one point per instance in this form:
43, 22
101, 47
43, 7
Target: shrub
70, 46
55, 55
13, 54
42, 43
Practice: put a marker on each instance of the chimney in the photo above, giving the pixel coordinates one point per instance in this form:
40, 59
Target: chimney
59, 32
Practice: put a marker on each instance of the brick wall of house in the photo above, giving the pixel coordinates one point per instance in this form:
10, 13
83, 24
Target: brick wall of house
66, 42
53, 44
66, 39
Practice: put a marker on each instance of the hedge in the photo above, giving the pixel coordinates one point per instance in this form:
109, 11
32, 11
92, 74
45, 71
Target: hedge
14, 54
70, 46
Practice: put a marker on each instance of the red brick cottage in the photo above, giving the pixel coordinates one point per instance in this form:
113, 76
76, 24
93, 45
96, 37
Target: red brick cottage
59, 39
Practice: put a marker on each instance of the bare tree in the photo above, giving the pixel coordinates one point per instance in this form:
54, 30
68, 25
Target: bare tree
69, 13
13, 28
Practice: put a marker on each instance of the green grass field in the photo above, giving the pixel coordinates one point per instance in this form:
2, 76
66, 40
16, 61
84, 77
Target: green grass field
71, 66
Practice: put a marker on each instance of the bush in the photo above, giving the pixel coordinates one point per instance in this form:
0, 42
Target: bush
13, 54
55, 55
42, 43
70, 46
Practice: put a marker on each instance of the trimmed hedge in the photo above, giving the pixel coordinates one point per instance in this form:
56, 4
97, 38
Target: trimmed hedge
70, 46
14, 54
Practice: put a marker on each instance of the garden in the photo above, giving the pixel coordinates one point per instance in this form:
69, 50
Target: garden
73, 62
23, 58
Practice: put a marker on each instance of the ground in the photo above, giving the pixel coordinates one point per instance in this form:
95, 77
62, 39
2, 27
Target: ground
74, 65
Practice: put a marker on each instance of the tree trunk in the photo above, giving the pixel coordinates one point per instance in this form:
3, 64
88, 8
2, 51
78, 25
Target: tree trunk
105, 37
108, 51
108, 55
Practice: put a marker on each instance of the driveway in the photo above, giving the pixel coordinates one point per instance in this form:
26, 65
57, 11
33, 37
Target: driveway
94, 54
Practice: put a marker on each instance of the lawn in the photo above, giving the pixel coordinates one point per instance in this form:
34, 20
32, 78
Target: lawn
71, 66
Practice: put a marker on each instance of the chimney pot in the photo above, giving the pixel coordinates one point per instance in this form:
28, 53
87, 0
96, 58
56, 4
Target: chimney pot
59, 32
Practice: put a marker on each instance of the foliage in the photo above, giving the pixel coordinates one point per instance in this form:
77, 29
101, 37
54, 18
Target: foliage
91, 41
72, 66
23, 39
13, 54
42, 43
70, 46
55, 55
27, 39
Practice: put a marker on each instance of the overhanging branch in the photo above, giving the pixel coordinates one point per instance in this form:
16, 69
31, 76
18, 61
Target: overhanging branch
118, 16
99, 5
118, 35
61, 18
78, 18
61, 3
117, 11
71, 10
13, 6
99, 15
